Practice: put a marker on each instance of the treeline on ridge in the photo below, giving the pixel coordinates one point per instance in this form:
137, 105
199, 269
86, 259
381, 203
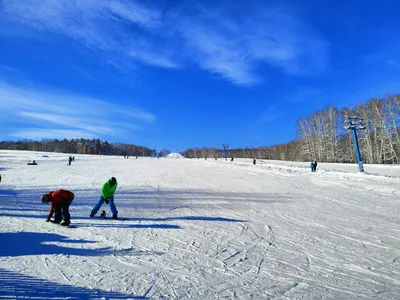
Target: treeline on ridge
78, 146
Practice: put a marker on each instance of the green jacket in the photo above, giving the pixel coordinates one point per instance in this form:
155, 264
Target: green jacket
108, 190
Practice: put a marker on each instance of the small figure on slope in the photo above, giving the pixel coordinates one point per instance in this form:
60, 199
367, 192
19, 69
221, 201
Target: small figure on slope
107, 196
60, 201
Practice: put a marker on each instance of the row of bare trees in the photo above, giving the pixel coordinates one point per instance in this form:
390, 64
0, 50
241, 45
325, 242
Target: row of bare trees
260, 152
321, 136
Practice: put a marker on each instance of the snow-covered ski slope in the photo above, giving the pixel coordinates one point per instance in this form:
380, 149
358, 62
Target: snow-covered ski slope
200, 229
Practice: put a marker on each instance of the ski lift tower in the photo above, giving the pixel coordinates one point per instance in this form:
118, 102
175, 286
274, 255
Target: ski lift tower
225, 147
355, 123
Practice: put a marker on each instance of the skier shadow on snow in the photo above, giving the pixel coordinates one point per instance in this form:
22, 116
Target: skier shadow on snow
14, 285
121, 222
185, 218
159, 226
34, 243
139, 226
112, 224
189, 218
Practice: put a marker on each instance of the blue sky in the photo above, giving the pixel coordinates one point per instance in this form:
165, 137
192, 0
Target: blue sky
177, 74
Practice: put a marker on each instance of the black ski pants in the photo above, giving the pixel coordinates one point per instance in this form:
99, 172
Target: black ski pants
61, 211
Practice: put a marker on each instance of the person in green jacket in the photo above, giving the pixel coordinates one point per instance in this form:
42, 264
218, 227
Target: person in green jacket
107, 196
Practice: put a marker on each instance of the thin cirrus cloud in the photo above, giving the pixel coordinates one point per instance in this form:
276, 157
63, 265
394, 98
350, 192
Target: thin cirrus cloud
231, 41
55, 114
67, 121
39, 134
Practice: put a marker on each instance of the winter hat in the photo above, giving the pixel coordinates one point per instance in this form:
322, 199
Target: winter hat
45, 198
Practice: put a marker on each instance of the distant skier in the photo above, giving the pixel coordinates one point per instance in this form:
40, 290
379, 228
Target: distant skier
312, 166
69, 160
107, 196
254, 161
59, 200
315, 166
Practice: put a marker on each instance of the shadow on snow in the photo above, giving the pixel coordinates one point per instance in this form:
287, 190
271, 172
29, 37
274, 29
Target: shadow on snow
112, 224
116, 223
187, 218
167, 199
19, 202
17, 286
33, 243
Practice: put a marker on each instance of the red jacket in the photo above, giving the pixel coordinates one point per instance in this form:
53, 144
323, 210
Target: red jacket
59, 196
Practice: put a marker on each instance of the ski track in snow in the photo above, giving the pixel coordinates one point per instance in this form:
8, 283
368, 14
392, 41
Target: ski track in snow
200, 229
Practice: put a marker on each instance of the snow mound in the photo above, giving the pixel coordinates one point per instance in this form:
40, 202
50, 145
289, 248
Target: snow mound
175, 155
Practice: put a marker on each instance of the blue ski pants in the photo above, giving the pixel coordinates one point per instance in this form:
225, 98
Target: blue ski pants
100, 203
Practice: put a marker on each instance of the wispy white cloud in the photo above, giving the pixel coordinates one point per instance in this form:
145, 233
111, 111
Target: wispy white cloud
56, 112
231, 41
235, 41
96, 24
39, 134
68, 122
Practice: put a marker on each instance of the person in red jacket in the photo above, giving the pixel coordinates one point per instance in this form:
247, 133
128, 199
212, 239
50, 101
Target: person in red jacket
60, 201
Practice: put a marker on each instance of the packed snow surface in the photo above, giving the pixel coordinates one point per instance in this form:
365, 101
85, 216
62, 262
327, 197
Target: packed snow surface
200, 229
